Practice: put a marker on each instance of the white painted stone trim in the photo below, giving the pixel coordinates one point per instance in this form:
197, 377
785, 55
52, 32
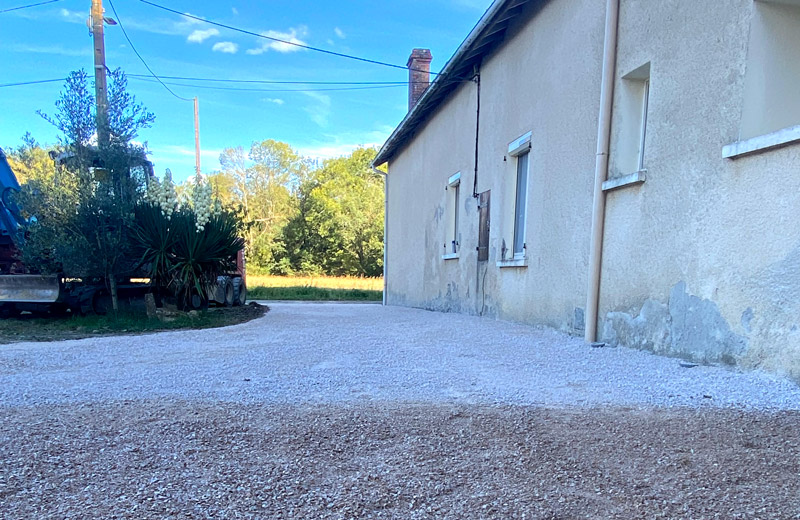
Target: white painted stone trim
762, 142
516, 262
520, 145
626, 180
450, 256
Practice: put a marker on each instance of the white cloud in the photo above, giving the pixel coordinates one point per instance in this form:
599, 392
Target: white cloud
340, 33
332, 151
331, 145
234, 11
73, 16
173, 150
481, 5
181, 27
51, 49
322, 98
180, 159
199, 36
277, 101
319, 111
225, 47
292, 36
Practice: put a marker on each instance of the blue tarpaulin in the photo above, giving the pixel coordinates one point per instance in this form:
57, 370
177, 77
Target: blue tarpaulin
8, 183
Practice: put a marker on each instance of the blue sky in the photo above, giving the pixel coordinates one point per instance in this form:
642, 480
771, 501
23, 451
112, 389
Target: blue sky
47, 42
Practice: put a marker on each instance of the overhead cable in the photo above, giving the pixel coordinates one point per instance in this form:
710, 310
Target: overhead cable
133, 47
27, 6
31, 82
279, 40
276, 82
210, 87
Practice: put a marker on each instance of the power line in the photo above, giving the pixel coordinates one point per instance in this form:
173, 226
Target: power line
28, 6
31, 82
133, 47
276, 82
369, 87
287, 42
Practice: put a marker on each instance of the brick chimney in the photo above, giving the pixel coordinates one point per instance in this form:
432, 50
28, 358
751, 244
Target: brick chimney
419, 76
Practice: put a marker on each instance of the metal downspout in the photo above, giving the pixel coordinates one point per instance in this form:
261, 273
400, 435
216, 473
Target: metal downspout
601, 168
385, 225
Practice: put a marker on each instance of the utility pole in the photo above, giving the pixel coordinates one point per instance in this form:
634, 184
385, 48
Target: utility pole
100, 92
196, 137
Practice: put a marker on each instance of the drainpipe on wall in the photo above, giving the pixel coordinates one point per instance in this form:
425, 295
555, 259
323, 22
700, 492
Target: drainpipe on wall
385, 224
601, 168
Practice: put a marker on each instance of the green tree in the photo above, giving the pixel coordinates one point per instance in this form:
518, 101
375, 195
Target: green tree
82, 226
31, 162
260, 186
338, 227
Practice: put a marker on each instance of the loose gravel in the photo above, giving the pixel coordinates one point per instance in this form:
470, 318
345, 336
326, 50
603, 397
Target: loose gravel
181, 460
307, 353
359, 412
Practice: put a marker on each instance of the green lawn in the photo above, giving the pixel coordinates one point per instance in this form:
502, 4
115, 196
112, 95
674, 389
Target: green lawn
312, 294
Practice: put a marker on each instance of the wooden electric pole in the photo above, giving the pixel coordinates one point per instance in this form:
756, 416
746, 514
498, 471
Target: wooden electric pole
196, 137
100, 92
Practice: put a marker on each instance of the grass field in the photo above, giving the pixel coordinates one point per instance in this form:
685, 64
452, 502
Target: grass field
314, 288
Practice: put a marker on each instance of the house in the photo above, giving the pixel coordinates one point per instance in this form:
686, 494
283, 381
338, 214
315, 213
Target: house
626, 170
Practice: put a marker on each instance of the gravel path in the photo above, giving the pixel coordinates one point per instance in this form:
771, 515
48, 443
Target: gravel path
305, 353
363, 412
183, 460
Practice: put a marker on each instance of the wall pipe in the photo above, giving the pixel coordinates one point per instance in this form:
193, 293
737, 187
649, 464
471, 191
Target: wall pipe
385, 225
601, 168
477, 80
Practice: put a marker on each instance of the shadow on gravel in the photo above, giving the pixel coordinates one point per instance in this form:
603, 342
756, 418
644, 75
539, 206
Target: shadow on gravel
155, 459
30, 327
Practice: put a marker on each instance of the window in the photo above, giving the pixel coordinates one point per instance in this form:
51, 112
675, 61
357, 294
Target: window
771, 101
629, 154
520, 204
515, 204
451, 243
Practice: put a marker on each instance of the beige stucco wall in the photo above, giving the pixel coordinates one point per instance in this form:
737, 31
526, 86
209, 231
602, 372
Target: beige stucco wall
703, 259
544, 80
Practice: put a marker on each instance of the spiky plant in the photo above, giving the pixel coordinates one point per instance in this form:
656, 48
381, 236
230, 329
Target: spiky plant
154, 241
200, 256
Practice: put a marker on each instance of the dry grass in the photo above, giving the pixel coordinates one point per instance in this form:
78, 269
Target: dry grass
322, 282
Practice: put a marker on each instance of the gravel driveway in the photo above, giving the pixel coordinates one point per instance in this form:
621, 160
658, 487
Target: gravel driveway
362, 411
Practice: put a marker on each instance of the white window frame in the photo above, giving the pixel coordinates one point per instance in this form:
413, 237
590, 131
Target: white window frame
643, 133
452, 243
520, 199
769, 137
518, 149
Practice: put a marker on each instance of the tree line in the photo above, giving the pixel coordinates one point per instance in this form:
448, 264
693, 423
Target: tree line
301, 219
295, 217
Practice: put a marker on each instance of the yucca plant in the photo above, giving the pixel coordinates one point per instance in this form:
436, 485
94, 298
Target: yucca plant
154, 241
200, 256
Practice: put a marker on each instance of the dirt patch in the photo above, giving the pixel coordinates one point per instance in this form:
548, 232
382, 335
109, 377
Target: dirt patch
29, 327
157, 459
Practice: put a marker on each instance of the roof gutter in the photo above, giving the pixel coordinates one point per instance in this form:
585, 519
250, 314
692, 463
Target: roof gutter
441, 80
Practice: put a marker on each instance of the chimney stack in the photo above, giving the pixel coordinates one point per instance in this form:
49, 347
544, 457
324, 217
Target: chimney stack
419, 75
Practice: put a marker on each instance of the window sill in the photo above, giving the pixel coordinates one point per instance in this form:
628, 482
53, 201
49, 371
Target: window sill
633, 179
515, 262
450, 256
762, 143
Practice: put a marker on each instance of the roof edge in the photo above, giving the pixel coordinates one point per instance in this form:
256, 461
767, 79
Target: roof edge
395, 138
